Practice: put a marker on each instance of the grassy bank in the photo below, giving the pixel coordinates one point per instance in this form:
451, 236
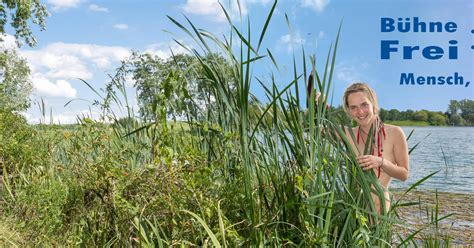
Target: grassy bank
409, 123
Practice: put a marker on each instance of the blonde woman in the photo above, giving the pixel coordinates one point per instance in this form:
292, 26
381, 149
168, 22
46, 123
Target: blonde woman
388, 157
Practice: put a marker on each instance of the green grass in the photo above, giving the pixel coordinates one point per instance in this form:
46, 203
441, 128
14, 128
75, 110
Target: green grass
9, 237
409, 123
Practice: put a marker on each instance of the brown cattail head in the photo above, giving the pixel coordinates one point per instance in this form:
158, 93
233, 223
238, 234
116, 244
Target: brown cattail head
309, 89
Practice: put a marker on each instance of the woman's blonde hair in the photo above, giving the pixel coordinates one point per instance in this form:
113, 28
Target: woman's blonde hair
361, 87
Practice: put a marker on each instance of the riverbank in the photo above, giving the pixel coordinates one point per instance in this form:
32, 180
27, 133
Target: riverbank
459, 227
408, 123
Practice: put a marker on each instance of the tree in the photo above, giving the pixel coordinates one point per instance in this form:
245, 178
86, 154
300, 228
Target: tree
469, 119
22, 13
383, 114
437, 119
15, 86
394, 115
408, 114
466, 107
171, 87
456, 120
421, 115
453, 107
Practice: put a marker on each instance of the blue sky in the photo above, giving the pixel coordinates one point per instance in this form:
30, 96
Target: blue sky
87, 39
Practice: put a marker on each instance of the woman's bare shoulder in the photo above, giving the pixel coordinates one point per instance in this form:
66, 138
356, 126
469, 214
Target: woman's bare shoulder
394, 130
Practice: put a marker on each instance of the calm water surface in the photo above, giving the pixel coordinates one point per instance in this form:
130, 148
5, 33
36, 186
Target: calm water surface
456, 165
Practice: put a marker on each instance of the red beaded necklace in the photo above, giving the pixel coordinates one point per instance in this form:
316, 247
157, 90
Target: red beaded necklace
379, 130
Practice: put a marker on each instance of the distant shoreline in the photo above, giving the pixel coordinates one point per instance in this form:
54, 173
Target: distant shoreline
417, 124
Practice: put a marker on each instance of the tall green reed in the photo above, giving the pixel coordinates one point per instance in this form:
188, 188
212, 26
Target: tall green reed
302, 185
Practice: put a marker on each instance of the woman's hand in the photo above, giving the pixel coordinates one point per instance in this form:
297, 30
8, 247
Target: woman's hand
317, 96
317, 99
368, 162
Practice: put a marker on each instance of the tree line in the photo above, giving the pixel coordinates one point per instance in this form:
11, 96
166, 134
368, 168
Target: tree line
458, 113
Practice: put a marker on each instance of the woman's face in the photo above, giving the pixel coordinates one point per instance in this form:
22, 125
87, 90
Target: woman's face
360, 108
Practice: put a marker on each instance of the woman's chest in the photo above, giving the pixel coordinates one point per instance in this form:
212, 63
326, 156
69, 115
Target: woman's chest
377, 147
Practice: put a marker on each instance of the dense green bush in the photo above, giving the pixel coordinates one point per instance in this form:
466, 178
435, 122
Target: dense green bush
90, 187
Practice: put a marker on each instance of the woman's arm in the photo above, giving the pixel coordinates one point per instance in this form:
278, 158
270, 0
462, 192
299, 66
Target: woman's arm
399, 169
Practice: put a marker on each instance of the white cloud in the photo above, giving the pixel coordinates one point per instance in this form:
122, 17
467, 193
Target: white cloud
317, 5
66, 117
63, 66
292, 39
163, 50
8, 42
129, 81
64, 4
63, 59
59, 62
321, 35
121, 26
213, 10
27, 115
263, 2
288, 41
63, 119
61, 88
71, 117
350, 72
97, 8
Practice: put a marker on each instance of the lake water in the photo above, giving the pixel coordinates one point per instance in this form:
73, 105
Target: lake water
456, 165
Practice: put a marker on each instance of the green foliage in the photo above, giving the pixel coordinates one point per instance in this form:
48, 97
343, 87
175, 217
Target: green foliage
125, 122
466, 107
469, 118
43, 198
23, 13
169, 88
425, 117
453, 107
461, 112
394, 115
421, 115
437, 119
409, 123
456, 120
383, 114
15, 85
20, 147
23, 156
407, 115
